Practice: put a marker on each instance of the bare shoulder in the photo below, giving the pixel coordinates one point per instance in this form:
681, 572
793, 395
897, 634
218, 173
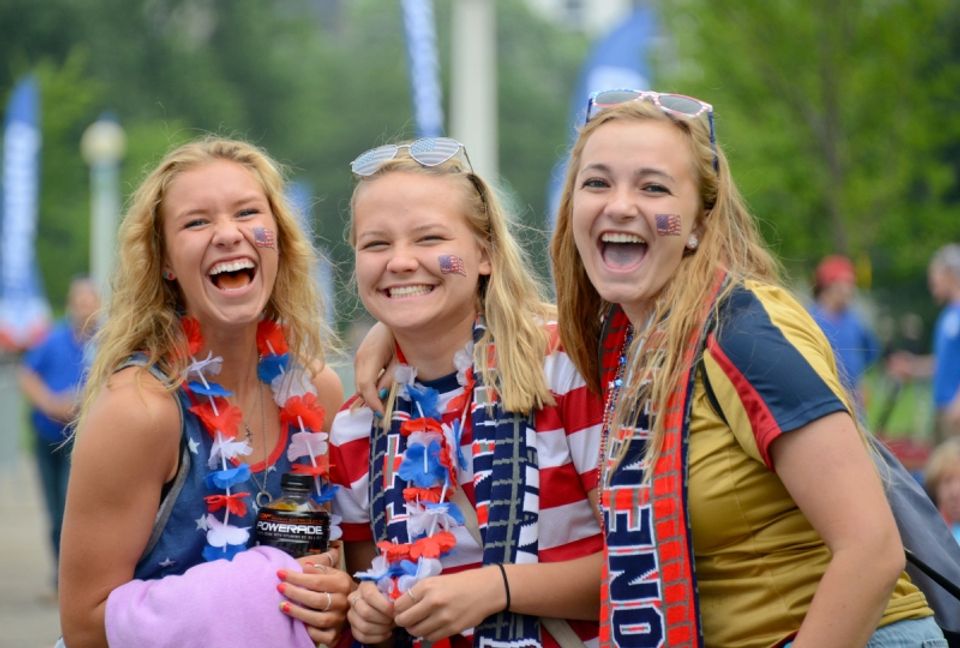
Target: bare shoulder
133, 421
329, 391
138, 396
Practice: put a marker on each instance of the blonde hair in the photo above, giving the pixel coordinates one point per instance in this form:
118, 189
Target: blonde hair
944, 459
144, 311
729, 240
510, 298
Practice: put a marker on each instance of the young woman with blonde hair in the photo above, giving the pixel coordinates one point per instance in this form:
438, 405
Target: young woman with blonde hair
477, 484
211, 343
740, 503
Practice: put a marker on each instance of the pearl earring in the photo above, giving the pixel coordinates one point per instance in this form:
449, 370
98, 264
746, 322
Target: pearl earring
693, 242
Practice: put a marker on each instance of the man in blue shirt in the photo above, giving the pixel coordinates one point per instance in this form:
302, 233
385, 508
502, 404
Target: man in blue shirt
854, 344
943, 277
50, 377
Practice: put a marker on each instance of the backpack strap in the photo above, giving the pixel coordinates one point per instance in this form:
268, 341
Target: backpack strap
171, 490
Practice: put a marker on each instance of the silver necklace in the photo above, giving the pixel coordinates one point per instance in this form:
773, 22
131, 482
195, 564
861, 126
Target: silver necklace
263, 496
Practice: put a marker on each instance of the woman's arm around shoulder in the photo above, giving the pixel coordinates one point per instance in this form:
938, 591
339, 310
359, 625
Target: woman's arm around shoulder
126, 449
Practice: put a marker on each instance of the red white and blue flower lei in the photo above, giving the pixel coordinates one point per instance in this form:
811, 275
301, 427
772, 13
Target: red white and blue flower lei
429, 465
295, 395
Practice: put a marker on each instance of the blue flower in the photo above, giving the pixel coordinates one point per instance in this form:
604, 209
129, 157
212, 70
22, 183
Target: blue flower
224, 479
406, 568
327, 491
448, 508
457, 436
271, 366
419, 472
426, 398
211, 389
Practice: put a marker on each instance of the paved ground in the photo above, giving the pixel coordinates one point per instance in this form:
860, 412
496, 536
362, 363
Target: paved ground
28, 618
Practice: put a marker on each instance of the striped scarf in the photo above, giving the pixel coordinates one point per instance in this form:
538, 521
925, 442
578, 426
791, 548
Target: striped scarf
506, 485
649, 588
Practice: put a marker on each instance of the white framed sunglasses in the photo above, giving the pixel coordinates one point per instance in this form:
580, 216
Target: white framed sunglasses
426, 151
676, 105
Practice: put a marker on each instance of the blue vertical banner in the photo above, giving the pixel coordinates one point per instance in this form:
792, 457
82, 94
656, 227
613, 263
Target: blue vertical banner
617, 61
424, 67
300, 198
24, 312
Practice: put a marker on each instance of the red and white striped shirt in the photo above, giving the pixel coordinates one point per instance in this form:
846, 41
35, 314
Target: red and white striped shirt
567, 439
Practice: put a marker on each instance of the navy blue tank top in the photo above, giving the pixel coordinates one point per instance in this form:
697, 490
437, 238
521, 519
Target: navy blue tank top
179, 534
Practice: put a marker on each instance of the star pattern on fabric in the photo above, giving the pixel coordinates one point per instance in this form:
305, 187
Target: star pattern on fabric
193, 446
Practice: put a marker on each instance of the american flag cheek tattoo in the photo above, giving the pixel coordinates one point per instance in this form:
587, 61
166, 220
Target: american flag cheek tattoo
668, 224
264, 237
451, 264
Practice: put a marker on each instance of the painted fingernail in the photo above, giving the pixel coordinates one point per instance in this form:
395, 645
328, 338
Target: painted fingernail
383, 393
282, 574
285, 607
282, 588
377, 414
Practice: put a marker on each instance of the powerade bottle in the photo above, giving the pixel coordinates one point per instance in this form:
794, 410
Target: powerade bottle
293, 522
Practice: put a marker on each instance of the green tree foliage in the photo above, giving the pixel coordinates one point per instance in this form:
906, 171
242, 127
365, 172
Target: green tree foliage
840, 121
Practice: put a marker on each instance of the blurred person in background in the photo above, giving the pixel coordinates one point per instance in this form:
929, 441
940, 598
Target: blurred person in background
942, 481
854, 345
943, 277
50, 378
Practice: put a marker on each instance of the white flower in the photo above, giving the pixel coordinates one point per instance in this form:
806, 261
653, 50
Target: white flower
227, 448
427, 519
335, 531
426, 568
209, 366
404, 375
295, 382
220, 534
463, 360
307, 444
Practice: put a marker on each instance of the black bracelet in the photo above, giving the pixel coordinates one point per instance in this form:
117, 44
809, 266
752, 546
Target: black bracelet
506, 586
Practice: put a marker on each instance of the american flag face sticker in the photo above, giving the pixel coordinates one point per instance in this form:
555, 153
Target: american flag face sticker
263, 237
668, 224
451, 264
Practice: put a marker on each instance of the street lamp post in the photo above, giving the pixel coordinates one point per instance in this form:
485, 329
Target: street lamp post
103, 145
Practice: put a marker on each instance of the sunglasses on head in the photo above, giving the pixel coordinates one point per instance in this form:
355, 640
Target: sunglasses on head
675, 105
426, 151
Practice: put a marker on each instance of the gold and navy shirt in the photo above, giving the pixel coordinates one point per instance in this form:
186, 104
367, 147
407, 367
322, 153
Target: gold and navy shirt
758, 560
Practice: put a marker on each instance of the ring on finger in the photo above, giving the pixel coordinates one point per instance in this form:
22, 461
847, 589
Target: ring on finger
329, 602
320, 566
354, 598
416, 599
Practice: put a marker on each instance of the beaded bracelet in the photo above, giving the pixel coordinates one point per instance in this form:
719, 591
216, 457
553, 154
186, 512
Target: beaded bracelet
506, 586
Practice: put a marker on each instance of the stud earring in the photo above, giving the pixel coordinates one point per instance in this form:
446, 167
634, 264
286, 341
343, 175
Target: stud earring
168, 275
693, 242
